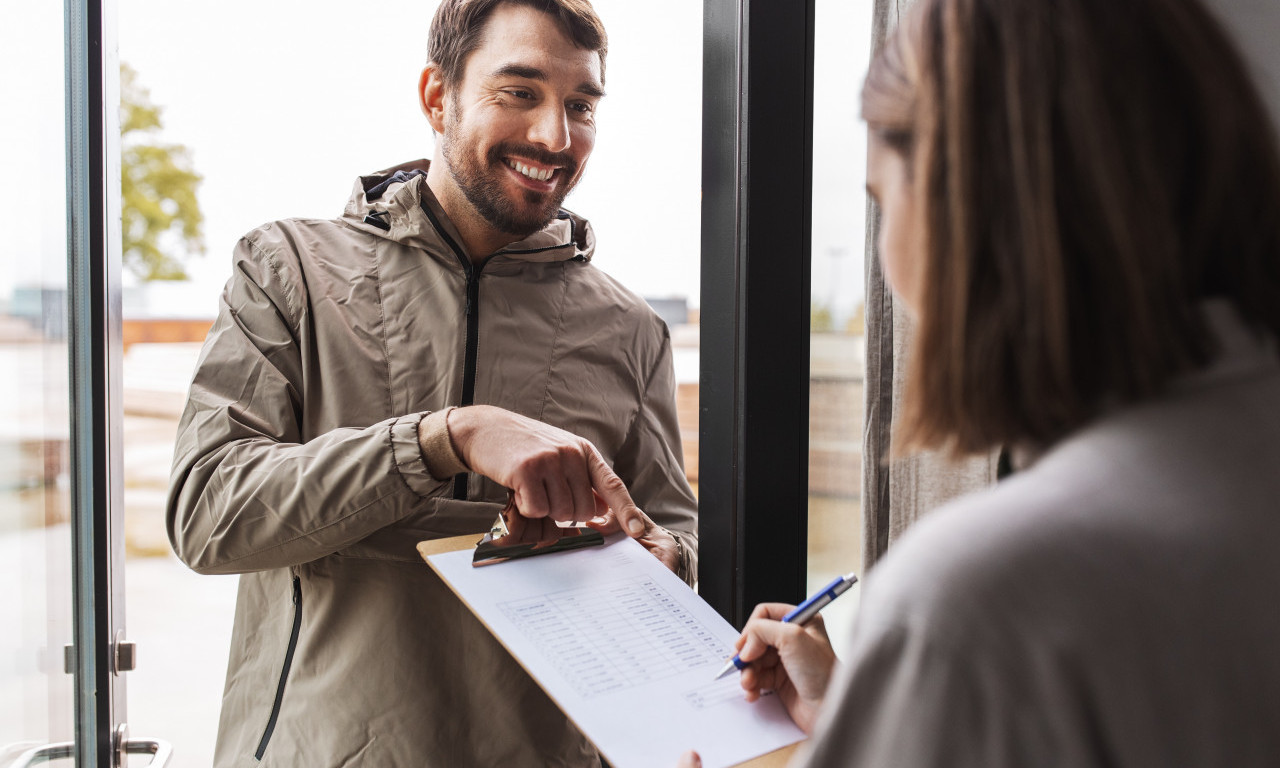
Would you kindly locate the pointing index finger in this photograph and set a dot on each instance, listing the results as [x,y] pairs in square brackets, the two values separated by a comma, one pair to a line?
[614,492]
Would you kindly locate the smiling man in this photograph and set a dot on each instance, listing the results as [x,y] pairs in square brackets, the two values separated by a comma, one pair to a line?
[517,123]
[443,350]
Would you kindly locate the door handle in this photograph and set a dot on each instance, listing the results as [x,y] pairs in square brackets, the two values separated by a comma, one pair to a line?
[36,755]
[125,746]
[162,751]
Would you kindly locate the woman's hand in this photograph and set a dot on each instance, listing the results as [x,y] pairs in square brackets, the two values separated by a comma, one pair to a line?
[794,662]
[791,661]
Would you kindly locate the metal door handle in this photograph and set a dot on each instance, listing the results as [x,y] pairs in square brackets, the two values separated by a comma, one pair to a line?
[162,750]
[37,755]
[66,750]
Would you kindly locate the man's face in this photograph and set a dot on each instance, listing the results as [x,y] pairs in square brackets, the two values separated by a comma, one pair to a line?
[520,125]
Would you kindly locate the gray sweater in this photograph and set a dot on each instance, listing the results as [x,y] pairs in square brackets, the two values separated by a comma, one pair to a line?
[1114,604]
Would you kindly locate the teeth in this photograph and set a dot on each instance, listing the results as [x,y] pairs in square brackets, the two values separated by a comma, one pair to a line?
[532,173]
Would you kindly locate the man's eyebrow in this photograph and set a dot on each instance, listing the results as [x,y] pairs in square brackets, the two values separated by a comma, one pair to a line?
[521,70]
[591,89]
[586,87]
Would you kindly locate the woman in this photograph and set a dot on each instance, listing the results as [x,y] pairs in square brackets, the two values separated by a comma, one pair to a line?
[1081,208]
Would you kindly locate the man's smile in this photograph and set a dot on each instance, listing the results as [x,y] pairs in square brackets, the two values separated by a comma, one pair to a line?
[530,169]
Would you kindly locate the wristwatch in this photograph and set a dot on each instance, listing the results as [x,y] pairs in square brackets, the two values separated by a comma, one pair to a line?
[682,556]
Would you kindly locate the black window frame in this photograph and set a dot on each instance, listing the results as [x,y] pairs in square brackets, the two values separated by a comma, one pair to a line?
[757,152]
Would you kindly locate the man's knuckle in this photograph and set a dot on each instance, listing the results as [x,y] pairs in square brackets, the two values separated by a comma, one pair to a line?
[544,459]
[569,452]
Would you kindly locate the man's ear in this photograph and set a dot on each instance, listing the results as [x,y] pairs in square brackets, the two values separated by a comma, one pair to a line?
[431,95]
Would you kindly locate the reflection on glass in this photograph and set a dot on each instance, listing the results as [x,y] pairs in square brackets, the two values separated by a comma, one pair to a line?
[837,347]
[36,694]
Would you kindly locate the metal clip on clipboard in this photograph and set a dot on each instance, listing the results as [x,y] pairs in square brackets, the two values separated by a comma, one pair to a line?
[511,538]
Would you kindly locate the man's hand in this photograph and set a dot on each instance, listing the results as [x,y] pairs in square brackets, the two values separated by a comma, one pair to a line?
[795,662]
[660,542]
[552,473]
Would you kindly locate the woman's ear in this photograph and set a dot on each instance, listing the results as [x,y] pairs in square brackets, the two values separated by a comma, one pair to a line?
[431,96]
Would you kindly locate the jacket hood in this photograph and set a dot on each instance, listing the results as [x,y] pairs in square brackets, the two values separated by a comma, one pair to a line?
[396,204]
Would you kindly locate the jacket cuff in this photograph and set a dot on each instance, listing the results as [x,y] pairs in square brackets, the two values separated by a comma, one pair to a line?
[687,552]
[441,458]
[408,456]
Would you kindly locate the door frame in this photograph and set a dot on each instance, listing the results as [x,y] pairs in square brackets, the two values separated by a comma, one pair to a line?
[757,182]
[95,352]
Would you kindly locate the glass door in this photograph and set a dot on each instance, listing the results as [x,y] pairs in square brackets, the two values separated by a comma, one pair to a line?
[73,500]
[37,687]
[837,340]
[63,660]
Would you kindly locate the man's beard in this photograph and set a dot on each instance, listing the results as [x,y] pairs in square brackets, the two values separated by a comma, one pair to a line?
[483,188]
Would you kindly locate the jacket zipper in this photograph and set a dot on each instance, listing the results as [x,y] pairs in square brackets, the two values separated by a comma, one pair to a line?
[473,329]
[284,673]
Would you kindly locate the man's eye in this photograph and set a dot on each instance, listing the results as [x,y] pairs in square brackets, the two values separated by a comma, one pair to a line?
[521,94]
[581,107]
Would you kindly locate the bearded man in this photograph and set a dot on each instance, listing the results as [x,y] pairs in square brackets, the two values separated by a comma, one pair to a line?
[400,374]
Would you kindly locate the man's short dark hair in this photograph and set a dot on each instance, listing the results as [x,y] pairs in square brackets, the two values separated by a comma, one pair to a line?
[458,26]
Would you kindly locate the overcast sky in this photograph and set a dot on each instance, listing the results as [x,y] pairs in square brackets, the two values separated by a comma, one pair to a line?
[284,102]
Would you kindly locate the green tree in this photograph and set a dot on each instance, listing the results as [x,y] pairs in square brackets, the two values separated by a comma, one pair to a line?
[820,318]
[857,323]
[162,223]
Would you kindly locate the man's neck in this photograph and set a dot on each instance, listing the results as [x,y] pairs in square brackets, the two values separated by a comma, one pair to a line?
[479,238]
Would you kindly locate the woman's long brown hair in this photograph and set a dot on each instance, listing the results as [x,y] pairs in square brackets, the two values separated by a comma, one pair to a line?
[1086,173]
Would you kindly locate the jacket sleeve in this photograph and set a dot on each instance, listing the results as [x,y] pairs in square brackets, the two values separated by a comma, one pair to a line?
[248,491]
[651,461]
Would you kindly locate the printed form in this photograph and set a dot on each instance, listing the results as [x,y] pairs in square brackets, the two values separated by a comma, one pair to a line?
[626,649]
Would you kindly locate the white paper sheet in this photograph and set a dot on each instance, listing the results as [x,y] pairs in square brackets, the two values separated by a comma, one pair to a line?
[626,649]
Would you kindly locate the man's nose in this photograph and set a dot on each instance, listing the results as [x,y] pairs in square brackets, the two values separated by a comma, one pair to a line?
[550,128]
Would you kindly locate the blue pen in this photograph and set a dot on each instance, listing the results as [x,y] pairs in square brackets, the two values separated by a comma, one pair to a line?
[803,613]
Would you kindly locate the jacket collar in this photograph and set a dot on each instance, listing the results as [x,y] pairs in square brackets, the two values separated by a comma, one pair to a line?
[396,204]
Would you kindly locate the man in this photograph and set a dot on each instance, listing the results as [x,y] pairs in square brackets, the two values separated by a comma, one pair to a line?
[320,442]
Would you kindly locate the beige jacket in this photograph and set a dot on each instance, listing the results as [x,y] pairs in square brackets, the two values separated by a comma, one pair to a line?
[298,466]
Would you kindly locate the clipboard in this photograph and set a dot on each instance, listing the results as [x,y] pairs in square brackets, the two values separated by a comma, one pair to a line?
[776,759]
[503,543]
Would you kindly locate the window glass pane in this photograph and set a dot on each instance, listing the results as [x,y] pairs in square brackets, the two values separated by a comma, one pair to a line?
[837,343]
[278,117]
[643,189]
[36,694]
